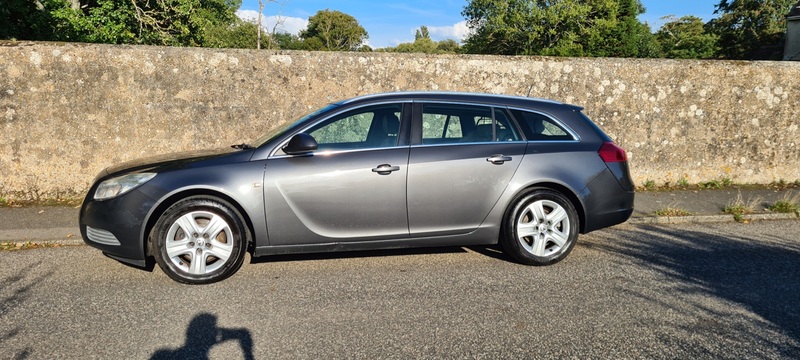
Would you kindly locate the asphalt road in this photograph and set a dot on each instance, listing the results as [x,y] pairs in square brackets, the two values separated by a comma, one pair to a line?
[682,291]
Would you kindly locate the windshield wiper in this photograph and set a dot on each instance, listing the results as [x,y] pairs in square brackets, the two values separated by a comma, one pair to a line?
[242,146]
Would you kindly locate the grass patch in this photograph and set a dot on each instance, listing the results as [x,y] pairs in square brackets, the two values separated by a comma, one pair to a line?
[725,183]
[14,246]
[716,184]
[72,202]
[790,204]
[785,185]
[739,207]
[672,211]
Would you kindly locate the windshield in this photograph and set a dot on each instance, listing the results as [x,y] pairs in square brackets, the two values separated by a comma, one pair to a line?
[277,131]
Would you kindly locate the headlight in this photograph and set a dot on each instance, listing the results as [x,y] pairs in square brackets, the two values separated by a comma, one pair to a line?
[120,185]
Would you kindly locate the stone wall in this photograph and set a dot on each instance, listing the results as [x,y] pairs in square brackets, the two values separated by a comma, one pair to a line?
[69,110]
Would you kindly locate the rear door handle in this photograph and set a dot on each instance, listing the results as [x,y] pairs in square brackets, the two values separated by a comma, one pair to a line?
[385,169]
[498,159]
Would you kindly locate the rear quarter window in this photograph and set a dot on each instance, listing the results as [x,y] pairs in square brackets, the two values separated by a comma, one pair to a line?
[540,127]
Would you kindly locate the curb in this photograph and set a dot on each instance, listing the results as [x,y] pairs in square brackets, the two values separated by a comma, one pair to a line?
[705,218]
[52,236]
[61,242]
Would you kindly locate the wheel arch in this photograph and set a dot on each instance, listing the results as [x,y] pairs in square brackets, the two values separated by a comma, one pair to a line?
[173,198]
[564,190]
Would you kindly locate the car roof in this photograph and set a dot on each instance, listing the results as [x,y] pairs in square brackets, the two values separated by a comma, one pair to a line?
[483,98]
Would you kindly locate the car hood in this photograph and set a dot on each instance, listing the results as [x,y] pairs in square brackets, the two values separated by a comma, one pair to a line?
[167,160]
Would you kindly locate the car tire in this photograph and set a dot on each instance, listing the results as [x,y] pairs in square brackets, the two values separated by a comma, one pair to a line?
[540,227]
[200,240]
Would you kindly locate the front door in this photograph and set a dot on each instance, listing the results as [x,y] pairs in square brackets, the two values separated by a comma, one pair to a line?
[353,188]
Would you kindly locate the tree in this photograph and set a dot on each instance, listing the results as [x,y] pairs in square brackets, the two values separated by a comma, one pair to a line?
[448,46]
[24,19]
[287,41]
[422,33]
[424,44]
[278,22]
[153,22]
[618,32]
[558,27]
[751,29]
[333,31]
[241,34]
[686,38]
[103,21]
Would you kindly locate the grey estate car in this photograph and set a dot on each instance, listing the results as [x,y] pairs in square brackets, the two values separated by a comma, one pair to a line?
[395,170]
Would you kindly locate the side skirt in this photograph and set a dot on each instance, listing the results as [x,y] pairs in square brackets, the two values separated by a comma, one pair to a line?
[484,236]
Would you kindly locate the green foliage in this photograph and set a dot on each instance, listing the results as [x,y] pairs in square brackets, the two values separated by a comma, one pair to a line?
[559,28]
[424,44]
[422,33]
[27,19]
[333,31]
[715,184]
[751,29]
[783,206]
[448,46]
[287,41]
[686,38]
[672,211]
[790,204]
[239,35]
[727,182]
[739,207]
[152,22]
[107,21]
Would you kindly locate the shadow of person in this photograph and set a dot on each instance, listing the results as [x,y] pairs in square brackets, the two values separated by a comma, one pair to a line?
[203,334]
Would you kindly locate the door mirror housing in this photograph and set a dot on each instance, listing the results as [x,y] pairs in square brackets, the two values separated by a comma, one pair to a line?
[300,144]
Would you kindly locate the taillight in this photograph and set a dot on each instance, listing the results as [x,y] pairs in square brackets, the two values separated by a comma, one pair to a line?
[612,153]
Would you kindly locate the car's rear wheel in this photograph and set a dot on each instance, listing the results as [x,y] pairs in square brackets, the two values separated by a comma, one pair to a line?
[200,240]
[540,228]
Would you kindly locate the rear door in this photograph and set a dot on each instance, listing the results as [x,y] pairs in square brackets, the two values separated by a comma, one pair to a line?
[461,161]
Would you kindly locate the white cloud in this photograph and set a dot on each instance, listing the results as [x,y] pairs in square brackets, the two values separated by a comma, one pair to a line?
[288,24]
[292,25]
[247,15]
[458,31]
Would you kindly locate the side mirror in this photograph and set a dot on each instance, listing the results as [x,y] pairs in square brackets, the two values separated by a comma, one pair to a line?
[300,144]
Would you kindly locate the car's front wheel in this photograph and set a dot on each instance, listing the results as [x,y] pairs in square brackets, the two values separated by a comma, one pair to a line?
[540,228]
[200,240]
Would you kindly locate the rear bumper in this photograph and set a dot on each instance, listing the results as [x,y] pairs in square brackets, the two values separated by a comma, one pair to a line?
[607,203]
[607,219]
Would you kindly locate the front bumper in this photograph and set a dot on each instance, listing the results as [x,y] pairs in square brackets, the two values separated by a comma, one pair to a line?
[117,226]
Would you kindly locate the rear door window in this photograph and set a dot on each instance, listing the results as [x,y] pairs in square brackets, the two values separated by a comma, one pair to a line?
[455,123]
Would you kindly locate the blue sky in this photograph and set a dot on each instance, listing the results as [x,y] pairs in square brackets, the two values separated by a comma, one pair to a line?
[390,23]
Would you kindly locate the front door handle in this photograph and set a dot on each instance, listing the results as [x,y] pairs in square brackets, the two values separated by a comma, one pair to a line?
[498,159]
[385,169]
